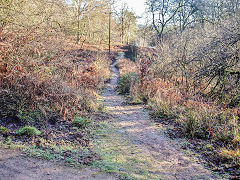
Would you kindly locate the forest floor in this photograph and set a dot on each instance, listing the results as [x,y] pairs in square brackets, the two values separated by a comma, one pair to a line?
[130,144]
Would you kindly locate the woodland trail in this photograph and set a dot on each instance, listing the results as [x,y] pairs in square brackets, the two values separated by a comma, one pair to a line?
[142,151]
[162,157]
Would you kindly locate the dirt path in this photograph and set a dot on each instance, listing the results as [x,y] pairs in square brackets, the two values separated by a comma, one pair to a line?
[165,161]
[16,166]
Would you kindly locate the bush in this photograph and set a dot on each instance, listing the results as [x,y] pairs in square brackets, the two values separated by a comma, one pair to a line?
[80,122]
[48,83]
[191,124]
[227,128]
[158,107]
[4,130]
[125,82]
[28,131]
[131,52]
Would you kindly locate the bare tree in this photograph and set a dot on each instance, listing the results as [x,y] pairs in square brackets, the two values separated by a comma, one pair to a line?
[185,16]
[81,6]
[163,12]
[127,25]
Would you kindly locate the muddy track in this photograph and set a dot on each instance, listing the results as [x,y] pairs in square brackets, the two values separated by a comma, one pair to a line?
[168,162]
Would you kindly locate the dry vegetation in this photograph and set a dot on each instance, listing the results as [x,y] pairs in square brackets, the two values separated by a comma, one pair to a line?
[47,81]
[42,75]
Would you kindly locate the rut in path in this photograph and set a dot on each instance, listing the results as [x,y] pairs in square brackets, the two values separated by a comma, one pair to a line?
[169,162]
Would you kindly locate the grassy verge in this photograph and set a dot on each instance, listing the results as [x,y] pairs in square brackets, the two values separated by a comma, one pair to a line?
[70,155]
[119,156]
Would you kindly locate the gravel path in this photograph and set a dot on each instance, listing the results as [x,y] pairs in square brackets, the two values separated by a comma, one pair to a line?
[169,162]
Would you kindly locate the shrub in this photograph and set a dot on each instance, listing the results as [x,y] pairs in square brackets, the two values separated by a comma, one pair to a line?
[80,122]
[191,124]
[125,82]
[4,130]
[28,131]
[230,155]
[158,107]
[227,127]
[29,117]
[48,83]
[40,69]
[164,103]
[131,52]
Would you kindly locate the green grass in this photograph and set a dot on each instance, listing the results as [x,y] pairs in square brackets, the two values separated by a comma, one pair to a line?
[4,130]
[28,131]
[125,82]
[80,122]
[52,151]
[30,117]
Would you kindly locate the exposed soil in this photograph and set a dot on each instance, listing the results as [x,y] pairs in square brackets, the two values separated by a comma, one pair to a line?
[134,121]
[61,142]
[16,166]
[60,130]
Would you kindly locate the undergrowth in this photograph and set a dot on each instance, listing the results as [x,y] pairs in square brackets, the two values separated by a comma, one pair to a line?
[28,131]
[80,122]
[46,74]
